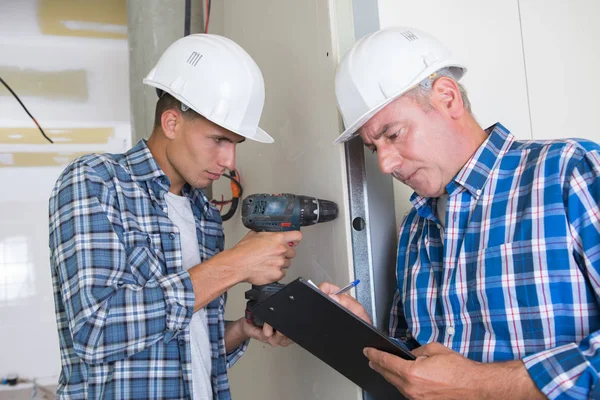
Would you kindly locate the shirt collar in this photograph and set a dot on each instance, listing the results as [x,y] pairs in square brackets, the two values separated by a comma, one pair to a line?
[142,164]
[475,173]
[145,169]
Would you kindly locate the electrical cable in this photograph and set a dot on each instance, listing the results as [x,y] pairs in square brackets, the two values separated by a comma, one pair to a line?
[25,108]
[188,13]
[208,6]
[236,194]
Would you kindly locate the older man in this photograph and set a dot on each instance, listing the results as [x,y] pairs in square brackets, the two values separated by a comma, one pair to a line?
[498,266]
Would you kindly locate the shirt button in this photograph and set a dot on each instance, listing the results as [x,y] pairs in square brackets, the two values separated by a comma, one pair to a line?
[149,240]
[450,330]
[172,236]
[478,191]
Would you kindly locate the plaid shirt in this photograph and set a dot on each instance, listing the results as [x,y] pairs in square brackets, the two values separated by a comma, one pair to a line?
[516,272]
[123,301]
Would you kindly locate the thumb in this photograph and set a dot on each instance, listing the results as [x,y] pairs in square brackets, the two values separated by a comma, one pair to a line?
[328,288]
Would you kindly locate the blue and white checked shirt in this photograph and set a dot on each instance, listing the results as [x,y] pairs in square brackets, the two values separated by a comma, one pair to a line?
[123,301]
[516,272]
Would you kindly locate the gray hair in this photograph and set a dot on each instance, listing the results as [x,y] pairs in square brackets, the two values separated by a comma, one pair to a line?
[422,92]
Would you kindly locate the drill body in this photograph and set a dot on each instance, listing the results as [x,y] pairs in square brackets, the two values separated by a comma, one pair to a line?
[285,212]
[279,213]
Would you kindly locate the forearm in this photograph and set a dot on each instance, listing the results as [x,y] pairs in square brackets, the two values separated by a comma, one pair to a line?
[506,380]
[157,312]
[235,335]
[214,277]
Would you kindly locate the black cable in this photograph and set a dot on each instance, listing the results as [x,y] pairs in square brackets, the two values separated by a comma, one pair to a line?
[188,12]
[232,209]
[235,196]
[208,7]
[26,110]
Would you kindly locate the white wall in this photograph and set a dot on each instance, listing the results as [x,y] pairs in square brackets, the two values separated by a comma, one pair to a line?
[292,43]
[562,53]
[531,64]
[28,336]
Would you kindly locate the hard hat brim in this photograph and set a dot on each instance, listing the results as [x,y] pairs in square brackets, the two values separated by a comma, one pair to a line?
[259,135]
[352,130]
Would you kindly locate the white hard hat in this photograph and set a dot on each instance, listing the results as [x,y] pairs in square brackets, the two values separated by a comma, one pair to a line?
[216,78]
[383,66]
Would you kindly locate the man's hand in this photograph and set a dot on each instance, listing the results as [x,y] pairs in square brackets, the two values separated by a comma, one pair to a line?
[259,258]
[264,256]
[440,373]
[237,332]
[266,334]
[346,300]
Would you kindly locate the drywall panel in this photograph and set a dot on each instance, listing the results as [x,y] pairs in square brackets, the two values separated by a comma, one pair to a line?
[562,56]
[76,86]
[153,25]
[292,43]
[486,36]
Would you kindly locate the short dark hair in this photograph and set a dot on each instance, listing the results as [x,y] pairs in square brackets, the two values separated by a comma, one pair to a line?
[167,102]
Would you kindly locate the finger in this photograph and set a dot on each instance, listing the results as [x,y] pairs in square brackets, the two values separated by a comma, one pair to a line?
[267,330]
[253,331]
[387,361]
[390,376]
[431,349]
[294,237]
[283,340]
[276,339]
[376,356]
[290,253]
[286,263]
[353,306]
[328,288]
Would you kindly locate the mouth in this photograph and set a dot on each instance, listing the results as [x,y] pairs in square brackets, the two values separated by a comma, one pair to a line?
[404,179]
[213,176]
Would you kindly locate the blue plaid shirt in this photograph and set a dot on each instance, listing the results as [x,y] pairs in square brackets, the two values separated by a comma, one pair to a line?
[123,301]
[515,274]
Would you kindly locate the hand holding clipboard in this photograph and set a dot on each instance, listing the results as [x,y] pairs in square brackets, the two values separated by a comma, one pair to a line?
[330,331]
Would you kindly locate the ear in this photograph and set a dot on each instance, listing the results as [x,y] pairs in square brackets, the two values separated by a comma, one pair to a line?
[446,97]
[169,121]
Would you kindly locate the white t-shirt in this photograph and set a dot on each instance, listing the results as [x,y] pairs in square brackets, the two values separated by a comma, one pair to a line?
[442,203]
[180,213]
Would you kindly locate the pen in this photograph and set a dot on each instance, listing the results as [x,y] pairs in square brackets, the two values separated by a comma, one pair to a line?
[348,287]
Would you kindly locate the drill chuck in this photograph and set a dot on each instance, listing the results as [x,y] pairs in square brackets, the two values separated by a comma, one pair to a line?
[327,210]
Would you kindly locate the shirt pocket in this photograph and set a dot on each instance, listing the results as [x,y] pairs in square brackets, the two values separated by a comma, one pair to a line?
[144,256]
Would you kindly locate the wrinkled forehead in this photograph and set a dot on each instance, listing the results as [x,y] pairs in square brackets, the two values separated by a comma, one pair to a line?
[380,123]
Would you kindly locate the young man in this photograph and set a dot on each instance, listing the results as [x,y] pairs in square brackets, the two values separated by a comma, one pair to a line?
[137,256]
[498,265]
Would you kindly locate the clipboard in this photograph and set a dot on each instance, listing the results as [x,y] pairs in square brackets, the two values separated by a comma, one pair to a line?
[326,329]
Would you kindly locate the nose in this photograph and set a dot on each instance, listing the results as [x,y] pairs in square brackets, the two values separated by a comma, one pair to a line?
[389,159]
[227,157]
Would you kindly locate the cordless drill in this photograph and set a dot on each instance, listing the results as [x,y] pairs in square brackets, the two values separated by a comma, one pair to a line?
[279,213]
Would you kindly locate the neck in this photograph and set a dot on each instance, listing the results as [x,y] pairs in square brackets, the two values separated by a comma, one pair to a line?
[157,144]
[468,138]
